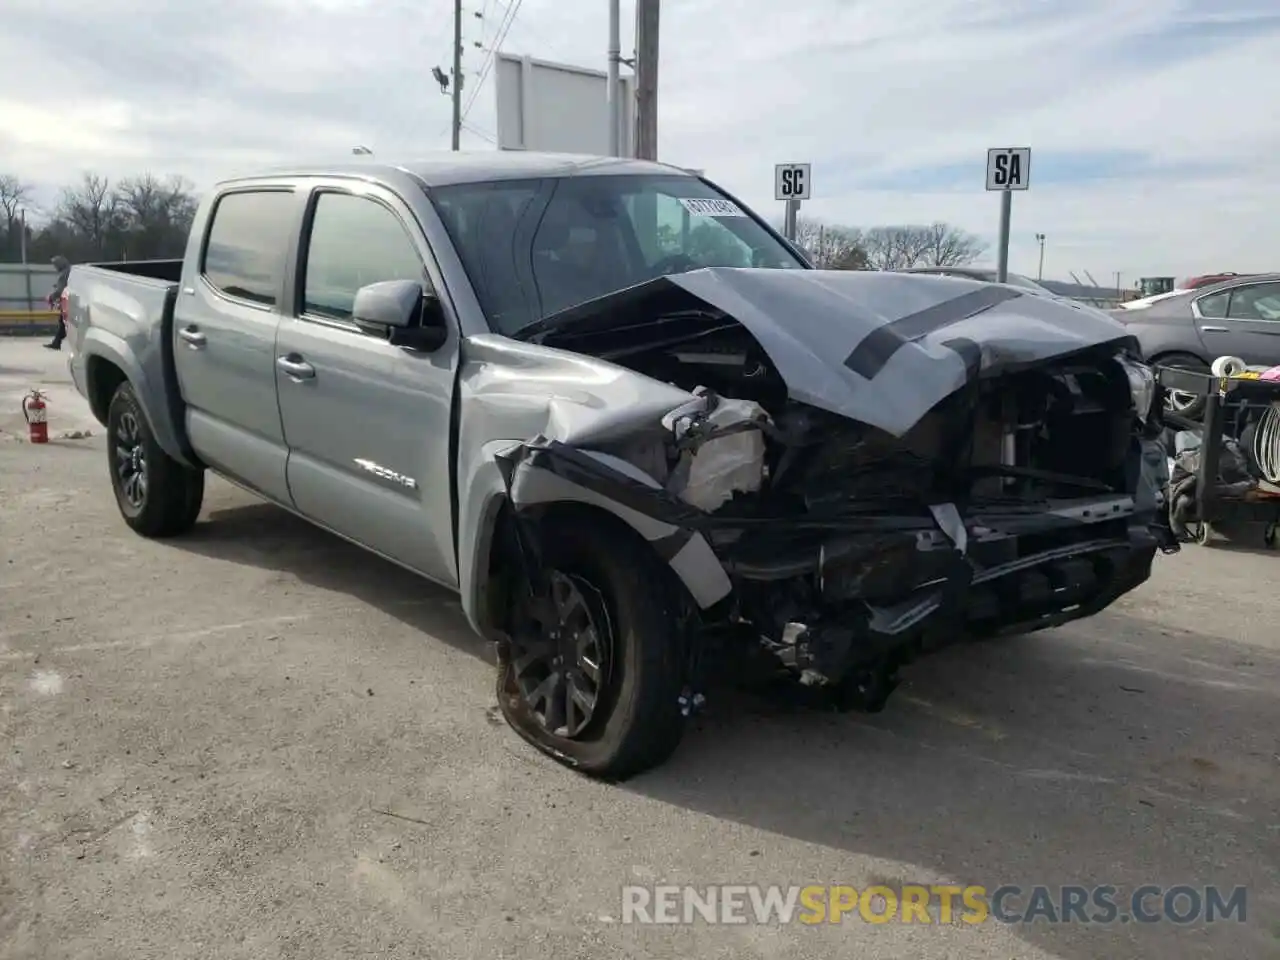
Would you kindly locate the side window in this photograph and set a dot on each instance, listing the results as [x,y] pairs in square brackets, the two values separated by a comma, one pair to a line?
[1258,302]
[248,236]
[354,242]
[1214,306]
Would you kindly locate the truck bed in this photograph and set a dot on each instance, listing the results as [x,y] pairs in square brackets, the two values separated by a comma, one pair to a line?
[120,317]
[168,270]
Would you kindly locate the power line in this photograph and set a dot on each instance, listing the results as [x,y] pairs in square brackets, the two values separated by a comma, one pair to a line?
[509,15]
[471,127]
[512,10]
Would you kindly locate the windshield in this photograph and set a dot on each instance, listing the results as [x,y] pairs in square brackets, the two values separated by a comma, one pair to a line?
[535,247]
[1018,280]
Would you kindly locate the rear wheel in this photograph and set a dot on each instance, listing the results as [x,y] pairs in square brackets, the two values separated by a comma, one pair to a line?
[593,671]
[157,495]
[1175,401]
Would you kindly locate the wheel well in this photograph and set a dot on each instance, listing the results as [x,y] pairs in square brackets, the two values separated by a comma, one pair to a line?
[1156,360]
[102,379]
[505,562]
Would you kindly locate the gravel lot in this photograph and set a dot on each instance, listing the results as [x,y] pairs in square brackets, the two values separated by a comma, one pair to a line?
[260,742]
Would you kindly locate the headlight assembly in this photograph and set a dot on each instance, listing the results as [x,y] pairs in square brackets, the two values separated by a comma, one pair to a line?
[1142,385]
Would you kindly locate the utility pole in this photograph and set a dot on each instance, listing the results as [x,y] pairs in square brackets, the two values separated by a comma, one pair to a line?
[614,58]
[22,236]
[646,71]
[1040,271]
[457,74]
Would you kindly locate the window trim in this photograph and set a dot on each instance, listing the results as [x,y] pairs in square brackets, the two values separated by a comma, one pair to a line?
[1258,319]
[1231,292]
[298,300]
[212,287]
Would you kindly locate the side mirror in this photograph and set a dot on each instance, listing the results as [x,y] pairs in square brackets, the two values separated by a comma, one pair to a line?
[408,311]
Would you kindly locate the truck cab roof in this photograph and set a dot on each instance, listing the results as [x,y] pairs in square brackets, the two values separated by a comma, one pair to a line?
[446,168]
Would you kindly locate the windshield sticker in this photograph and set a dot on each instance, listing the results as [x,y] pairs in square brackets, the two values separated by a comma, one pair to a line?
[712,208]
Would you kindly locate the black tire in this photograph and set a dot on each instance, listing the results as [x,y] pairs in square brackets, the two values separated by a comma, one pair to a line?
[169,498]
[1194,410]
[638,721]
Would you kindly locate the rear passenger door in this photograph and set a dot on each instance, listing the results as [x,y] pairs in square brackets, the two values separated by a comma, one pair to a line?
[367,422]
[1243,321]
[225,321]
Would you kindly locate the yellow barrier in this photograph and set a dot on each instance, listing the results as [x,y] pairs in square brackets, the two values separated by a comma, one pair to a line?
[28,321]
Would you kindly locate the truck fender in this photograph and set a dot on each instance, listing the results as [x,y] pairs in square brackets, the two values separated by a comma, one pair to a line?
[504,474]
[101,344]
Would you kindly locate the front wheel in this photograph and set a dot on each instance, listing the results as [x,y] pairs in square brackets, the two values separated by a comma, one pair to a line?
[1186,405]
[593,670]
[157,495]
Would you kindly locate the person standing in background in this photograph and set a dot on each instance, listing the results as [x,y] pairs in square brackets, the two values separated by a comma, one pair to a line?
[55,301]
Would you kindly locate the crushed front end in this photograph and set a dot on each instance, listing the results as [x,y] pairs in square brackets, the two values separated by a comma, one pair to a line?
[1018,501]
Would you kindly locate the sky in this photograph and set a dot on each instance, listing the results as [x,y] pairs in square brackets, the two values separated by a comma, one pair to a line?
[1152,123]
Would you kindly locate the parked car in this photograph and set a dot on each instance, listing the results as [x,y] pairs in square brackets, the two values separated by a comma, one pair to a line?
[1208,279]
[1239,317]
[981,273]
[534,380]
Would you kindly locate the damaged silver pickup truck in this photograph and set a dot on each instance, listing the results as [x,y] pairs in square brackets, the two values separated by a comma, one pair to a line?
[637,433]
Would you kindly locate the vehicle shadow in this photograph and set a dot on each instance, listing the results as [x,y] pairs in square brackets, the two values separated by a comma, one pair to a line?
[1103,753]
[1107,752]
[263,535]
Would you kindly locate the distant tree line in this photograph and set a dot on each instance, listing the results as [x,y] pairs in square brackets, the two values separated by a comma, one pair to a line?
[136,218]
[836,247]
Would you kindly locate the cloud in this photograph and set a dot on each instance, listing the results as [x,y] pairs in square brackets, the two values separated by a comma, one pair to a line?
[1153,151]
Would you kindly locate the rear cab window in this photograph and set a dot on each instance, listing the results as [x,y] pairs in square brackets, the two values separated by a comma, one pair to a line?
[353,241]
[244,250]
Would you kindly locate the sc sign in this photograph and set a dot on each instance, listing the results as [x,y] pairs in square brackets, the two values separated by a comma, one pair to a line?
[1008,168]
[791,181]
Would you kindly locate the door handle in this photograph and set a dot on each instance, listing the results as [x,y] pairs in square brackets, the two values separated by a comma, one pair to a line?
[1213,330]
[298,369]
[193,336]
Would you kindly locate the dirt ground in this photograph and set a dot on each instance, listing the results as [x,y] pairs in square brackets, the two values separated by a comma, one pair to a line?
[258,741]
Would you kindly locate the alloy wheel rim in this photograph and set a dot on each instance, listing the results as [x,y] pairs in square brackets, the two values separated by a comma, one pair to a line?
[1179,401]
[561,657]
[131,460]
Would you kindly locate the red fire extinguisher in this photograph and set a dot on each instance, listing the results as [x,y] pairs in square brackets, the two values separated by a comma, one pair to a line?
[33,410]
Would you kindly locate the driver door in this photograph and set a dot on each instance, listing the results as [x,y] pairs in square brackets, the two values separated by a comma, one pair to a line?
[366,422]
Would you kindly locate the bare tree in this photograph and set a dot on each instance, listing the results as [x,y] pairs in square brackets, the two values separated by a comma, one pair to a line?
[14,196]
[935,245]
[154,214]
[830,246]
[895,248]
[92,210]
[950,246]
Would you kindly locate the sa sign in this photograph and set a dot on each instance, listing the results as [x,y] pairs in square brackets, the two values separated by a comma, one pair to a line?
[1008,168]
[791,181]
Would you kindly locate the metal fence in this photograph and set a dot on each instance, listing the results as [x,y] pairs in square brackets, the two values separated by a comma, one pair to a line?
[24,287]
[23,307]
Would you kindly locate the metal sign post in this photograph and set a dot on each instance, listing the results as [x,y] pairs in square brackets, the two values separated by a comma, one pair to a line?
[791,184]
[1008,169]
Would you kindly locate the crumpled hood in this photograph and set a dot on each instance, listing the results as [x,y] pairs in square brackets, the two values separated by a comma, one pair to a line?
[881,348]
